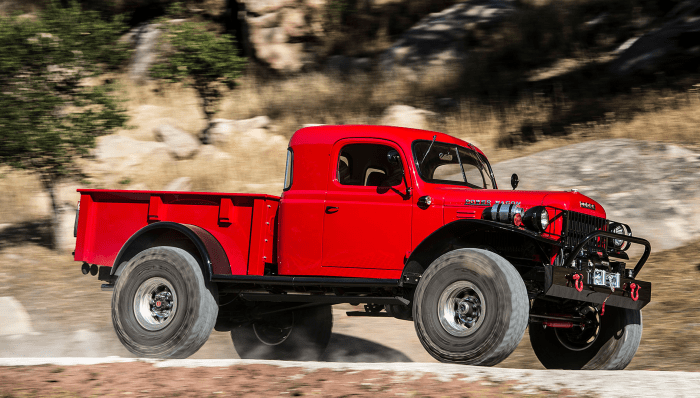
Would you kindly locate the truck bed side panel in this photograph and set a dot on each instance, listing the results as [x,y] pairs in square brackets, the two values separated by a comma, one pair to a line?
[109,218]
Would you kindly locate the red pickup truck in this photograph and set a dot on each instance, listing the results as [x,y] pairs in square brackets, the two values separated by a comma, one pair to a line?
[410,223]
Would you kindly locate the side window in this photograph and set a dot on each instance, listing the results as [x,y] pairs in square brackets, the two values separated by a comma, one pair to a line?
[370,165]
[288,169]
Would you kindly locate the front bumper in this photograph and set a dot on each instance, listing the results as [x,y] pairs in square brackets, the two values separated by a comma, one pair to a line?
[559,282]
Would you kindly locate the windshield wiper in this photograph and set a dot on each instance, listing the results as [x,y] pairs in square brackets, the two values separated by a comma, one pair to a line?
[428,151]
[461,166]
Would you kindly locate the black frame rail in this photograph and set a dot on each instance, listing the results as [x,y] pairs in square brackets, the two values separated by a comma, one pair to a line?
[606,234]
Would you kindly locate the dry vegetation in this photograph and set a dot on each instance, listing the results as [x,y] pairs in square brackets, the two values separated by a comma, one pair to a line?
[319,98]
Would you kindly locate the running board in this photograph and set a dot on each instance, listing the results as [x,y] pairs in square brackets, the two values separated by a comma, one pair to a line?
[326,299]
[305,281]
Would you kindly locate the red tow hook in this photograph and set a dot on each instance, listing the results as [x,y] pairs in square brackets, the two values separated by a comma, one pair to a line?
[578,282]
[634,291]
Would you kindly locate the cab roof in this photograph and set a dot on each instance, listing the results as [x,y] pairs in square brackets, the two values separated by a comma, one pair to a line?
[330,134]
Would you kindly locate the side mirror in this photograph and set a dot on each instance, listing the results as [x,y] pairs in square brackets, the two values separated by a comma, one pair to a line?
[393,157]
[514,181]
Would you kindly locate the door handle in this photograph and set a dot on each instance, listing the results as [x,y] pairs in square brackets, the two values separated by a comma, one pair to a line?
[331,209]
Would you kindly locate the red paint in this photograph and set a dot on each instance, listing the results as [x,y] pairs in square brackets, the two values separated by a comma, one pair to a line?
[558,324]
[368,231]
[634,291]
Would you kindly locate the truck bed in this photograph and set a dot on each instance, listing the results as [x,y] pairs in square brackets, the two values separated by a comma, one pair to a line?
[244,224]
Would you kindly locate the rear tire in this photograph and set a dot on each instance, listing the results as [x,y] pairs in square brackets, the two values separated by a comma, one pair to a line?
[299,335]
[162,307]
[471,307]
[611,348]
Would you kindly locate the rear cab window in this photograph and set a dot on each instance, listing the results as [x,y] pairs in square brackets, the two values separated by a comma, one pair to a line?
[369,165]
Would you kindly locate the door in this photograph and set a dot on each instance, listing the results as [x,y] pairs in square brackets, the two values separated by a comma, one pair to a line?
[367,220]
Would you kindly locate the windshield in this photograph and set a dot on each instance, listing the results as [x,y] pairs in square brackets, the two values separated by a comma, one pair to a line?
[451,164]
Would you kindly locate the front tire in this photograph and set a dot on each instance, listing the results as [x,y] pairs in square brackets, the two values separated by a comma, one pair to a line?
[161,306]
[610,345]
[471,307]
[299,335]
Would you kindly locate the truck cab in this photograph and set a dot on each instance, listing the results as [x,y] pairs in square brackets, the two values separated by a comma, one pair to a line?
[409,222]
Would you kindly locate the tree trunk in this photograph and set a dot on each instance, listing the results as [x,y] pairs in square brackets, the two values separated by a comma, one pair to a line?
[50,186]
[209,96]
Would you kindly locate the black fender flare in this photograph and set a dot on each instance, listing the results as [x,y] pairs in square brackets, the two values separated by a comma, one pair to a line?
[434,244]
[212,254]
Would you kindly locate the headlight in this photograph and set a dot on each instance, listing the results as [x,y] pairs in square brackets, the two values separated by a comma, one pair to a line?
[621,229]
[544,219]
[536,218]
[618,230]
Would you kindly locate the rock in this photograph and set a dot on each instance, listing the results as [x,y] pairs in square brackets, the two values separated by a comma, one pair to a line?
[16,321]
[677,43]
[406,116]
[145,40]
[283,34]
[181,184]
[117,147]
[650,186]
[117,157]
[180,144]
[437,40]
[284,57]
[266,21]
[212,154]
[266,6]
[223,129]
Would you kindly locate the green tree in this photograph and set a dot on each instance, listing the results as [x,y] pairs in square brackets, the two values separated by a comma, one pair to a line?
[51,113]
[203,59]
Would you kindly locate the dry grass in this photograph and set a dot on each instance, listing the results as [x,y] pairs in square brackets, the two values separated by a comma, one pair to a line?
[248,165]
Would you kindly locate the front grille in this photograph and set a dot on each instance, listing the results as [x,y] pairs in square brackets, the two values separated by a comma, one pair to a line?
[579,225]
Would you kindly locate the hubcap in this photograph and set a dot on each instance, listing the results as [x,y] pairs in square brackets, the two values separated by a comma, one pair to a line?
[155,304]
[461,308]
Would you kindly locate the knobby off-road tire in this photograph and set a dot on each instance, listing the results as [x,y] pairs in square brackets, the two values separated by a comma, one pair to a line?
[495,299]
[499,308]
[300,335]
[153,281]
[618,337]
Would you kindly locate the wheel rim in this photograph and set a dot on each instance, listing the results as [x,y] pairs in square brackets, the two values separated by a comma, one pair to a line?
[461,308]
[274,331]
[578,338]
[155,304]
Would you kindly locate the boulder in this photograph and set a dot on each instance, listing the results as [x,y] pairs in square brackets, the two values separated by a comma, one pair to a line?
[111,147]
[406,116]
[222,129]
[437,41]
[180,144]
[675,44]
[117,157]
[283,33]
[649,185]
[211,153]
